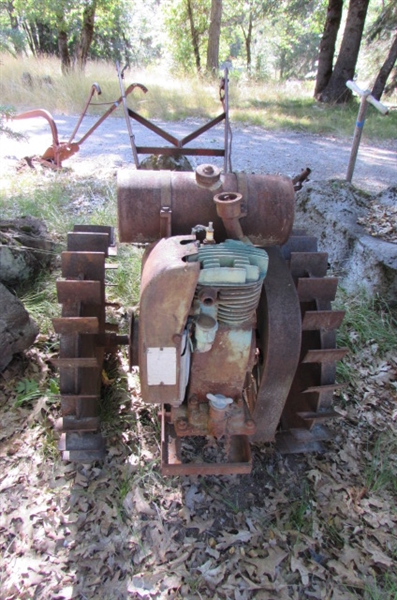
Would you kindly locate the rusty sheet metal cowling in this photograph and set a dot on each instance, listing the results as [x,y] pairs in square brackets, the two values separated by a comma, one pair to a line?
[168,278]
[268,203]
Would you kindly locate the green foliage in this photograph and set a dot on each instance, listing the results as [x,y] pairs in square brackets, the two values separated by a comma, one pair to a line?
[27,390]
[381,469]
[123,29]
[266,39]
[6,113]
[367,321]
[179,45]
[369,327]
[301,510]
[41,302]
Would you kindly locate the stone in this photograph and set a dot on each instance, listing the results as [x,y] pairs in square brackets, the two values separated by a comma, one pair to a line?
[25,249]
[17,330]
[330,210]
[166,163]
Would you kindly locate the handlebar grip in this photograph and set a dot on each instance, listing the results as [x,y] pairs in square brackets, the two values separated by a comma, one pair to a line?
[378,105]
[352,86]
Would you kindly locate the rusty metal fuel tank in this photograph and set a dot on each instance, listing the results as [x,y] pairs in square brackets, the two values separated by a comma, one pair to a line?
[154,204]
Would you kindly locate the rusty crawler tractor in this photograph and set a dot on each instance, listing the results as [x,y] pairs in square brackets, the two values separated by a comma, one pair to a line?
[235,337]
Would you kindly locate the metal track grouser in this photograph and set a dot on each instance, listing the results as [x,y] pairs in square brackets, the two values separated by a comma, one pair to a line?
[234,337]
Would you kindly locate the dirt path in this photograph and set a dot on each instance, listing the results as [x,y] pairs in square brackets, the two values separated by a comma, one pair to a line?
[253,150]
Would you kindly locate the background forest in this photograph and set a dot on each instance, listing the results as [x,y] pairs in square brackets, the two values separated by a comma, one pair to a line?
[327,41]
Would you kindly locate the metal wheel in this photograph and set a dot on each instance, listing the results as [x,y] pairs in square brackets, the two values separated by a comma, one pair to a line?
[295,376]
[83,341]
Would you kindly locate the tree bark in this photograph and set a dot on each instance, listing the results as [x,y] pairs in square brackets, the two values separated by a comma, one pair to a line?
[247,42]
[87,34]
[336,90]
[195,36]
[14,23]
[64,51]
[385,71]
[31,37]
[214,36]
[327,45]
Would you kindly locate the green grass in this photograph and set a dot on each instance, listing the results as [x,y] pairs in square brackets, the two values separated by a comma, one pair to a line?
[40,300]
[271,105]
[368,320]
[383,588]
[59,200]
[381,469]
[369,324]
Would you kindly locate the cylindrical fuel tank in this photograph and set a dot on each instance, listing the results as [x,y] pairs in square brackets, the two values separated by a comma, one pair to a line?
[146,197]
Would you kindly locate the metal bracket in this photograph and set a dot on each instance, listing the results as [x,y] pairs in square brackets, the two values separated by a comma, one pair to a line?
[239,456]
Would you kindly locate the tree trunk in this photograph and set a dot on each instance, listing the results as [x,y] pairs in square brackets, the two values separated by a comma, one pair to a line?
[195,37]
[64,51]
[327,45]
[214,36]
[385,71]
[29,29]
[87,34]
[247,42]
[11,13]
[336,90]
[14,24]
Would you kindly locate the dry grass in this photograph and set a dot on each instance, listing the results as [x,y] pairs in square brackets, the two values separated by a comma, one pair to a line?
[29,83]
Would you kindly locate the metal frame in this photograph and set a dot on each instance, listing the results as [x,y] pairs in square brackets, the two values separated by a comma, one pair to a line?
[179,146]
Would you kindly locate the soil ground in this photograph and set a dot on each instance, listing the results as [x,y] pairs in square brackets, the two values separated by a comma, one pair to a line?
[320,526]
[253,149]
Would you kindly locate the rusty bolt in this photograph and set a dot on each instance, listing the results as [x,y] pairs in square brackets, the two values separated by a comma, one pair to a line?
[208,176]
[193,400]
[181,424]
[250,424]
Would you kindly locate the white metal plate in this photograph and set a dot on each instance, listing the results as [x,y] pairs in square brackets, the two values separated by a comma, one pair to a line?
[161,366]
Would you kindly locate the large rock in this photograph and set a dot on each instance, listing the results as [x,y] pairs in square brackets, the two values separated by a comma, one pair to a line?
[17,330]
[330,210]
[25,249]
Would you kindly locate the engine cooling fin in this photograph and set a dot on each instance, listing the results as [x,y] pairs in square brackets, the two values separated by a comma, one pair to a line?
[238,271]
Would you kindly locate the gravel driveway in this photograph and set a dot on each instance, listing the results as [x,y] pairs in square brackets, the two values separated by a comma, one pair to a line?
[253,150]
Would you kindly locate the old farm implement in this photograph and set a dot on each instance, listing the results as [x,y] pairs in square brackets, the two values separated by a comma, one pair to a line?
[234,336]
[60,151]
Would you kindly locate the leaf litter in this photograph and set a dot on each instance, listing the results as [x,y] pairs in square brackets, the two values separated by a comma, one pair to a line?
[307,526]
[321,526]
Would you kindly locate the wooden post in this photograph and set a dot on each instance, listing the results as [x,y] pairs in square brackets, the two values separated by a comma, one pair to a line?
[365,98]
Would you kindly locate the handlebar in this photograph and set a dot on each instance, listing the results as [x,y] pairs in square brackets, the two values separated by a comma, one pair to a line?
[367,93]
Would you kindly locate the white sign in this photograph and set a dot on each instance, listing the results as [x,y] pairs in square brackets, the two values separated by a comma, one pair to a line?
[161,366]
